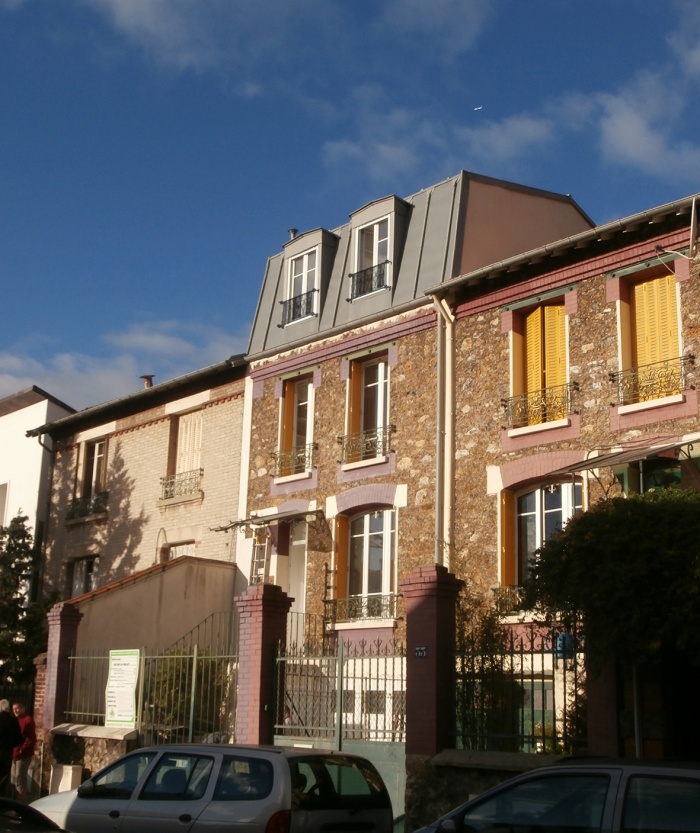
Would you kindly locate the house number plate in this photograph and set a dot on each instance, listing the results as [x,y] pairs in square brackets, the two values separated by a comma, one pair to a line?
[421,652]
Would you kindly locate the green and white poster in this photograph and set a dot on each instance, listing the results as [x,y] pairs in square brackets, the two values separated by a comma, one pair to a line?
[120,694]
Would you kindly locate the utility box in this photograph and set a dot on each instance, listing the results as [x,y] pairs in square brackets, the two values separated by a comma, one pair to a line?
[65,777]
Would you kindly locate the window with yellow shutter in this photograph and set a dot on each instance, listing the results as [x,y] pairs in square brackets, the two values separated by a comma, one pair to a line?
[539,368]
[368,430]
[295,447]
[650,352]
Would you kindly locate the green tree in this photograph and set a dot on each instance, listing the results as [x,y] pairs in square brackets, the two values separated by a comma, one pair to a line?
[22,627]
[629,570]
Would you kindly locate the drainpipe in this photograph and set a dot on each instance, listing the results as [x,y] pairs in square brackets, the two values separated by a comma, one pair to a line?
[445,443]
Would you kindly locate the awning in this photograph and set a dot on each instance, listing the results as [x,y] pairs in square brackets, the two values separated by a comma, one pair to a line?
[308,515]
[621,458]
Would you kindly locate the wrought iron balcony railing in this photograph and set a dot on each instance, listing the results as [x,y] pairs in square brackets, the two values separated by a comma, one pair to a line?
[84,507]
[181,484]
[539,406]
[297,460]
[356,608]
[366,445]
[506,599]
[368,280]
[300,306]
[652,381]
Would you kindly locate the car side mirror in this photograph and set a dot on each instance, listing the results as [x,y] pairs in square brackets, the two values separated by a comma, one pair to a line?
[86,789]
[448,826]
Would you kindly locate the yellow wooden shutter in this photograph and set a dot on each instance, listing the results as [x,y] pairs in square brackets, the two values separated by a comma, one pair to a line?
[287,438]
[342,534]
[655,320]
[508,553]
[533,351]
[554,346]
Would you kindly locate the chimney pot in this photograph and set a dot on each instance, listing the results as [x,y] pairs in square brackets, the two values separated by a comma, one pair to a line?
[147,380]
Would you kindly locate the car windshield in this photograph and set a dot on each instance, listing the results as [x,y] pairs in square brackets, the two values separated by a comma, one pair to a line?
[335,782]
[563,802]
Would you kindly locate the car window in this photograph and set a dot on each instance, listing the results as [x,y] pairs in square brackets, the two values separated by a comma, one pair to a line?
[555,802]
[120,779]
[180,777]
[661,803]
[243,779]
[335,782]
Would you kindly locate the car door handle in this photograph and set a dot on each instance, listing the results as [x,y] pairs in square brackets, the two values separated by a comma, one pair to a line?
[185,817]
[114,814]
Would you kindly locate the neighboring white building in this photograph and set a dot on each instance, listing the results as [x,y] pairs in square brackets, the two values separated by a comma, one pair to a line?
[25,462]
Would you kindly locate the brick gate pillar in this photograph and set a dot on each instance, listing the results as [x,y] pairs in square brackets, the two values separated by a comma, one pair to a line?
[430,594]
[63,619]
[263,612]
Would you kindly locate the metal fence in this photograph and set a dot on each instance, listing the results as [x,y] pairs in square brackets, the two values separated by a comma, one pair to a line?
[331,688]
[186,692]
[521,691]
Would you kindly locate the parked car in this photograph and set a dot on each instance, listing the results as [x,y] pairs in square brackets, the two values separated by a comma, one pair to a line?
[585,797]
[17,816]
[203,788]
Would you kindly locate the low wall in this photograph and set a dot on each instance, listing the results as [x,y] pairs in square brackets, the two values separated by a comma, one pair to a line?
[434,786]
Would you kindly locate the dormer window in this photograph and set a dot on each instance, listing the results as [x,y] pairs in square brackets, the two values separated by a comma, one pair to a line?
[301,288]
[372,260]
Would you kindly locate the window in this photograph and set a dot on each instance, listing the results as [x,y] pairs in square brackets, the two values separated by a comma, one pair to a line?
[539,374]
[528,521]
[371,554]
[172,551]
[185,458]
[296,428]
[372,259]
[95,469]
[652,366]
[178,777]
[120,780]
[540,513]
[368,426]
[301,288]
[83,575]
[655,803]
[242,778]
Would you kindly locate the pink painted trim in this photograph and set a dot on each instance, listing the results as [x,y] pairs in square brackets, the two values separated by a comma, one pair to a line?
[537,467]
[375,494]
[424,320]
[679,410]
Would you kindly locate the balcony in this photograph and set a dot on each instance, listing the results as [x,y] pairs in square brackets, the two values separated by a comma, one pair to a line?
[366,445]
[652,381]
[86,507]
[181,485]
[297,460]
[300,306]
[357,608]
[539,406]
[368,280]
[506,599]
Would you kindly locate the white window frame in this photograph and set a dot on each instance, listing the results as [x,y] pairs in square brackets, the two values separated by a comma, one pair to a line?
[303,282]
[84,580]
[188,453]
[94,476]
[569,507]
[380,418]
[375,257]
[388,543]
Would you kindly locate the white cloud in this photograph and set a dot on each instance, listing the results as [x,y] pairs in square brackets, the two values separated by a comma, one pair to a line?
[166,349]
[456,24]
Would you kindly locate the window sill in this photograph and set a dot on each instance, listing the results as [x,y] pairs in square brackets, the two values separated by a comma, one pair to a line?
[368,294]
[358,624]
[361,464]
[542,426]
[297,320]
[674,399]
[291,478]
[175,501]
[86,519]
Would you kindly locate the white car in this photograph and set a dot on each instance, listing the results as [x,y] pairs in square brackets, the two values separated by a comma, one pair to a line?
[211,788]
[583,798]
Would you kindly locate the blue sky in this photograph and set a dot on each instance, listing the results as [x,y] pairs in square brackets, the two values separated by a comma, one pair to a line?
[154,153]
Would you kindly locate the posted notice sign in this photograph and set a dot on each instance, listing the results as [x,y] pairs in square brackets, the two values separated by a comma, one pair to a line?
[120,694]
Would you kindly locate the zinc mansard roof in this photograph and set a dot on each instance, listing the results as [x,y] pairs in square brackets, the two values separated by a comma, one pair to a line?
[450,229]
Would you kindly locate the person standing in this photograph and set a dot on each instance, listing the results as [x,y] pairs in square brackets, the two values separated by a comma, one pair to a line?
[10,736]
[24,752]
